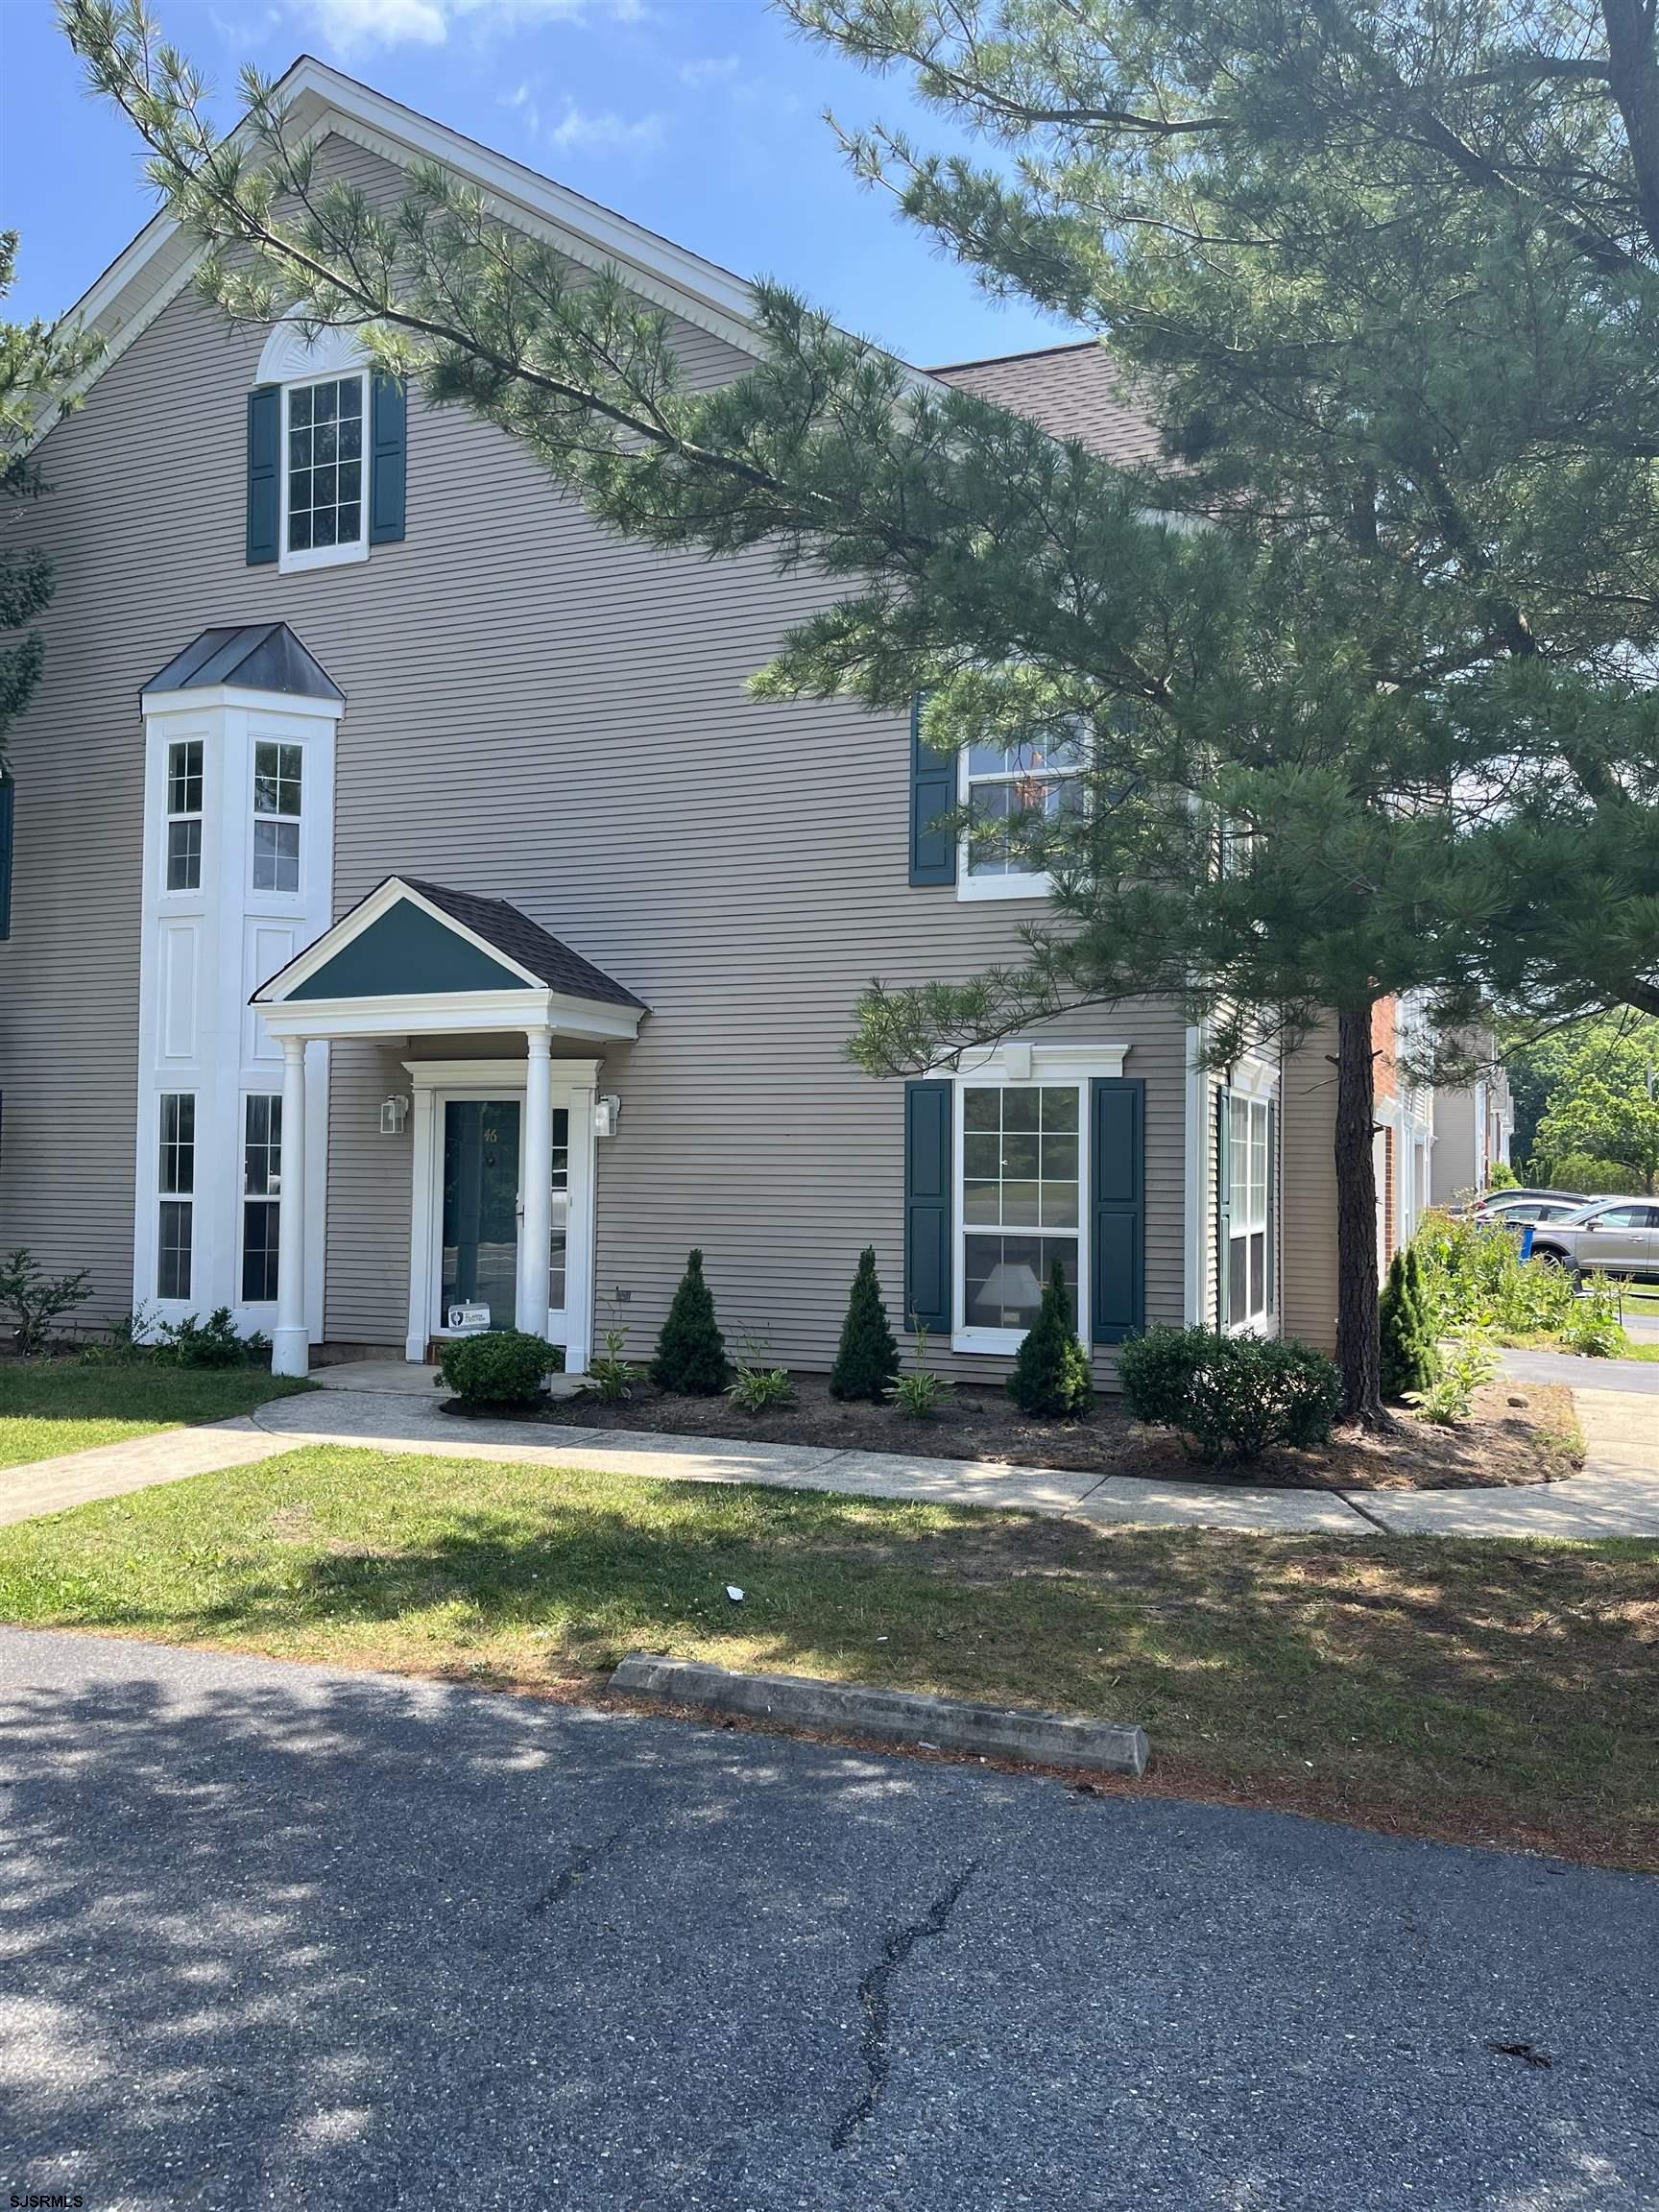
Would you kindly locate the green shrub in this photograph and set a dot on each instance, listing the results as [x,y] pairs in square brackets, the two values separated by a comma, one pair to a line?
[210,1343]
[1450,1398]
[867,1362]
[1232,1395]
[692,1352]
[1592,1327]
[757,1389]
[611,1378]
[1473,1276]
[920,1395]
[1156,1373]
[1051,1376]
[1410,1348]
[498,1366]
[1500,1176]
[36,1299]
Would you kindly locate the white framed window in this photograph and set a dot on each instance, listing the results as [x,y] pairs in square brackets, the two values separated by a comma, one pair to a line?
[1019,1205]
[261,1195]
[324,480]
[1249,1290]
[184,856]
[1008,791]
[176,1183]
[558,1243]
[277,802]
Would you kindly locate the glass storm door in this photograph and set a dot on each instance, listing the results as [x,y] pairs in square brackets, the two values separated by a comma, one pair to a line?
[480,1258]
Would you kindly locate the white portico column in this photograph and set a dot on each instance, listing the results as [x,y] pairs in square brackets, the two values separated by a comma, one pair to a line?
[536,1226]
[289,1345]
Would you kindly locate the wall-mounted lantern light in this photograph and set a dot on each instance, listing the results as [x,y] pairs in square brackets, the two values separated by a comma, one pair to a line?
[607,1113]
[393,1113]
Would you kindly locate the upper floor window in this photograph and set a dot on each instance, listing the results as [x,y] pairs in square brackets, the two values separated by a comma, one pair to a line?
[275,817]
[322,502]
[1010,792]
[185,814]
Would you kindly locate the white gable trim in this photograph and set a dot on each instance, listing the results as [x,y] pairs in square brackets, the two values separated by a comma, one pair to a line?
[149,274]
[281,987]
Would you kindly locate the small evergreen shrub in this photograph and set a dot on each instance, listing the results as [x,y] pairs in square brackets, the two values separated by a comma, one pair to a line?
[1230,1395]
[1156,1372]
[36,1299]
[867,1362]
[1051,1376]
[1410,1349]
[498,1366]
[757,1389]
[210,1343]
[692,1352]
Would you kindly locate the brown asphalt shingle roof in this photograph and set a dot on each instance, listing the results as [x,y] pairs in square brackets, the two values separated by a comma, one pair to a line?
[1071,391]
[525,940]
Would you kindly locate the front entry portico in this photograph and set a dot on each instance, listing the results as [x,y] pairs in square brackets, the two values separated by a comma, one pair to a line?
[502,1202]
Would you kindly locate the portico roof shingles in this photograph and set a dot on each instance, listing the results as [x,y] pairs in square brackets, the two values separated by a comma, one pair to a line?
[526,942]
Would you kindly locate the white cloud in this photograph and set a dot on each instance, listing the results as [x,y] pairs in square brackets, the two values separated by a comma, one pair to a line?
[603,132]
[352,23]
[715,70]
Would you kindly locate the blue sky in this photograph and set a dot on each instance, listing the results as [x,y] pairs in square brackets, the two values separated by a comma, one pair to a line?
[702,119]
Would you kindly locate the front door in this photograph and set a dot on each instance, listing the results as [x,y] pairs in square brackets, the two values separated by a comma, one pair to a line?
[479,1263]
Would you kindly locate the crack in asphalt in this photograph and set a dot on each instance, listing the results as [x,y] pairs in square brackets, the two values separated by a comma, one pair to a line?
[578,1869]
[878,2011]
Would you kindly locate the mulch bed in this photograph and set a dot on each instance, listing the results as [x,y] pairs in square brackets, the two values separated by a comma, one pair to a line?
[1515,1438]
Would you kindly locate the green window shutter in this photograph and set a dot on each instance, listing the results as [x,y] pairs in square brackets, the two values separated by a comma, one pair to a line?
[7,788]
[1272,1208]
[388,441]
[1118,1204]
[264,474]
[933,795]
[1223,1200]
[928,1166]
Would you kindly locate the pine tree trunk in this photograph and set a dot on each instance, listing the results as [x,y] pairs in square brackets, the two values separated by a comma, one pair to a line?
[1359,1353]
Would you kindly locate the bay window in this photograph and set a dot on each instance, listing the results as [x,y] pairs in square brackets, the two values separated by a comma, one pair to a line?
[276,817]
[176,1181]
[261,1195]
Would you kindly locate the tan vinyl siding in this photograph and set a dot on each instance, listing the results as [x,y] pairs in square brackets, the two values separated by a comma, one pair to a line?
[1307,1172]
[541,712]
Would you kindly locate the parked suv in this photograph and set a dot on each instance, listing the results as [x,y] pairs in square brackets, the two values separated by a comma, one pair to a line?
[1618,1235]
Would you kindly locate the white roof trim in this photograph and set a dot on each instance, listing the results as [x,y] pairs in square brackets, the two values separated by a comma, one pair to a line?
[150,274]
[278,989]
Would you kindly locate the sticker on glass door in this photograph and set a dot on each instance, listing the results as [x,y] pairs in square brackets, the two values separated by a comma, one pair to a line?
[480,1259]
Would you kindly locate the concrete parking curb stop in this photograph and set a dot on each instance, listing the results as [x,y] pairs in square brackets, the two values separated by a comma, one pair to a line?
[888,1716]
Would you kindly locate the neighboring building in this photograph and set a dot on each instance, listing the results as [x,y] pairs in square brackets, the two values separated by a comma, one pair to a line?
[417,926]
[1474,1123]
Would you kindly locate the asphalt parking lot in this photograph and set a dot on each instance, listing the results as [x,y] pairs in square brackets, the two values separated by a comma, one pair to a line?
[276,1935]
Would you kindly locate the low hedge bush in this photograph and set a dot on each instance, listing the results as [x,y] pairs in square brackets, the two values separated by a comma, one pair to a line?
[498,1366]
[1230,1395]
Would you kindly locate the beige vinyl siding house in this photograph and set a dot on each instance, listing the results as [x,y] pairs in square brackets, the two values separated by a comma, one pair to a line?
[501,700]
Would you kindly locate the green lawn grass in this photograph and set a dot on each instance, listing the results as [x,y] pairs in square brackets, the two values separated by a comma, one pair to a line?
[1487,1691]
[53,1406]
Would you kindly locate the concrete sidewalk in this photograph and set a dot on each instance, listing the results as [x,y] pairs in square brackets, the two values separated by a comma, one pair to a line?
[1617,1494]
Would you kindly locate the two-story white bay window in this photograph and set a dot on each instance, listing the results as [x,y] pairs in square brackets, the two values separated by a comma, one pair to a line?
[1010,791]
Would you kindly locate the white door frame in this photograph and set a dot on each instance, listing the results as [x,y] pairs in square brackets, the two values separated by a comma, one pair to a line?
[434,1084]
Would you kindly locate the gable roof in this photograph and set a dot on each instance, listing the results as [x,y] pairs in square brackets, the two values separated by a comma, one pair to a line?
[151,272]
[525,943]
[255,656]
[1075,391]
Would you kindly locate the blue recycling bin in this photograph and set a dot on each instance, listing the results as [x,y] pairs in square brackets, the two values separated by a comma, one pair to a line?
[1528,1230]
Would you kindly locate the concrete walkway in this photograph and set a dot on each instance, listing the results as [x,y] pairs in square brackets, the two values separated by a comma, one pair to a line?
[1617,1494]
